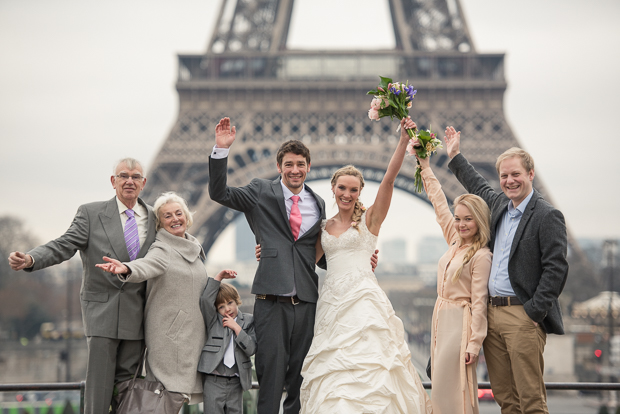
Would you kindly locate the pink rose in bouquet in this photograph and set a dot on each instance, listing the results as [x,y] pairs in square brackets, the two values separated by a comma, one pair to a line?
[373,114]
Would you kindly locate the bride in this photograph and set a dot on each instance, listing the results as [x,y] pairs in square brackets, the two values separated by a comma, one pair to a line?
[359,361]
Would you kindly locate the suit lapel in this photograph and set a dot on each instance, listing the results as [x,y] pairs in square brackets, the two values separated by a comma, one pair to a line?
[279,194]
[319,202]
[111,222]
[527,214]
[151,233]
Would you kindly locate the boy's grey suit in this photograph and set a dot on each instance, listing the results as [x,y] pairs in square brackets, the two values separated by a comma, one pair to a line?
[218,337]
[284,331]
[110,309]
[537,267]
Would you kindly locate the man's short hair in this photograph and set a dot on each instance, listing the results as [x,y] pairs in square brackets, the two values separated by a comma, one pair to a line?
[294,146]
[131,163]
[227,292]
[526,159]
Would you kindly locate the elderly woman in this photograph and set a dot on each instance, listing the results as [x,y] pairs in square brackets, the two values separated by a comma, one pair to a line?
[173,325]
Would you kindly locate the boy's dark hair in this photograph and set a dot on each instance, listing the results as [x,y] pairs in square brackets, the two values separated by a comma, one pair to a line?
[294,146]
[227,292]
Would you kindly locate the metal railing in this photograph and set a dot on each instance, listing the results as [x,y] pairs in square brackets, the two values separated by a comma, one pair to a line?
[55,386]
[72,386]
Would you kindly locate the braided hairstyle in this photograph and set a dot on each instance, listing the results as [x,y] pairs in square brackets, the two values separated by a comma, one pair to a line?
[482,216]
[359,208]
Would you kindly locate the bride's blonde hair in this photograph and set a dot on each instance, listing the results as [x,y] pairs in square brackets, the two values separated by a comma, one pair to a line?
[482,216]
[358,209]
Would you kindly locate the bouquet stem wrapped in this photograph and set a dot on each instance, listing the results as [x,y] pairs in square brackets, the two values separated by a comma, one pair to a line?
[394,99]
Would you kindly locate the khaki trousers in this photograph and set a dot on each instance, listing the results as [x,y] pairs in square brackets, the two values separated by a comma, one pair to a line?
[513,349]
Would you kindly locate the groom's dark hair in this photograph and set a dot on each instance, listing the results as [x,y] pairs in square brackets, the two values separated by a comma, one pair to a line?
[294,146]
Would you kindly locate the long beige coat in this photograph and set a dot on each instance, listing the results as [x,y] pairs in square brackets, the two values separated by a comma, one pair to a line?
[173,326]
[460,314]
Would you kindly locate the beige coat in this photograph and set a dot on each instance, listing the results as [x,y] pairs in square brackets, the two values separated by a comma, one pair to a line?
[173,326]
[460,314]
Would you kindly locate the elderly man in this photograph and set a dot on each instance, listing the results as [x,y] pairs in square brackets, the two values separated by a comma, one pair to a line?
[529,270]
[122,228]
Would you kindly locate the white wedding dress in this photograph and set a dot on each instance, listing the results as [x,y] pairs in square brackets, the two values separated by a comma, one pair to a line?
[359,361]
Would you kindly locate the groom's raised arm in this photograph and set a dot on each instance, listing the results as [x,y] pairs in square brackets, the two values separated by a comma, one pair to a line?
[238,198]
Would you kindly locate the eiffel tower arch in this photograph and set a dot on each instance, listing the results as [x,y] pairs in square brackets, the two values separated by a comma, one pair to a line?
[272,94]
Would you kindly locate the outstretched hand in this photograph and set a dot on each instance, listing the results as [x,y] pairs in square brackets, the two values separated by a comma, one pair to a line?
[224,134]
[113,266]
[19,261]
[453,141]
[225,274]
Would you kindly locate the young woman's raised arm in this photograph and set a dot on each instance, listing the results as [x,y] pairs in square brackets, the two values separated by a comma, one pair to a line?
[378,211]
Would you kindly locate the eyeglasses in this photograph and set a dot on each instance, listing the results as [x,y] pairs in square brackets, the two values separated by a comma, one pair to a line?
[126,177]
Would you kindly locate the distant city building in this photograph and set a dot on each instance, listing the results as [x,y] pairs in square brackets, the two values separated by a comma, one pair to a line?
[245,242]
[430,250]
[394,251]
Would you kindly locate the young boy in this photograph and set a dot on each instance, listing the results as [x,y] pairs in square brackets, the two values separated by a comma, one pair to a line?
[231,341]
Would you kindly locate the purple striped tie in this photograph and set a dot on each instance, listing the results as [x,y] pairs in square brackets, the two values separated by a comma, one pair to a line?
[132,239]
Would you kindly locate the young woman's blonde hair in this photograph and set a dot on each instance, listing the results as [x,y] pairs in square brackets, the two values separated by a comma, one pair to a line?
[482,216]
[358,209]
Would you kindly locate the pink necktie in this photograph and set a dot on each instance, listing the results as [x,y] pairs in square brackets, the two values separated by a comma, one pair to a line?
[295,218]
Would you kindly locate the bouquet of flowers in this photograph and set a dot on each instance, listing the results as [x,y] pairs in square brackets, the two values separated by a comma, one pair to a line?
[395,100]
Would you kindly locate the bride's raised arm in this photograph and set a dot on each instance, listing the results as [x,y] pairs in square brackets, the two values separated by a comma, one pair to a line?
[378,211]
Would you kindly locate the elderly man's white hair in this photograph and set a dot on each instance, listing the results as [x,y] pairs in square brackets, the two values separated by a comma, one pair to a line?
[131,163]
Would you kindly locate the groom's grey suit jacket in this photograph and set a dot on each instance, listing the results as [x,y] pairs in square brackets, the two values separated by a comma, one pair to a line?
[537,266]
[285,262]
[110,308]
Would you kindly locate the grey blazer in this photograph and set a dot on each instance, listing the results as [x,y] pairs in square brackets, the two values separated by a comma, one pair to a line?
[110,308]
[218,337]
[285,262]
[537,267]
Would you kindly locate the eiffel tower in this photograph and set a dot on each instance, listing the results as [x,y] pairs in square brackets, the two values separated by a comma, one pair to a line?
[272,94]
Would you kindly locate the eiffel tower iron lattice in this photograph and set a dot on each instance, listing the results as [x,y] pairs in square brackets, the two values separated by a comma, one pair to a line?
[273,94]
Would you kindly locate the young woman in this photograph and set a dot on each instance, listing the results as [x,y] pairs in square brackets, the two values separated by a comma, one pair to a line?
[460,314]
[359,361]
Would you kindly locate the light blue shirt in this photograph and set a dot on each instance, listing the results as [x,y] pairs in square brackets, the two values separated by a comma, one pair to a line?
[499,282]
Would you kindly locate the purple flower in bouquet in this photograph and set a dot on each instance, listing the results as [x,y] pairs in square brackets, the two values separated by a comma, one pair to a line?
[395,100]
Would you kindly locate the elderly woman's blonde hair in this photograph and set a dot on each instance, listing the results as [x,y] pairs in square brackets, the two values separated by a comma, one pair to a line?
[171,197]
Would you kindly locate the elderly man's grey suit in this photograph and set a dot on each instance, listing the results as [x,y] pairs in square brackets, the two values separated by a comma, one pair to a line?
[285,264]
[110,308]
[537,267]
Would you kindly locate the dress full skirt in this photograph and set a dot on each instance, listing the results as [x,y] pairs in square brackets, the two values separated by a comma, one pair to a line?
[359,361]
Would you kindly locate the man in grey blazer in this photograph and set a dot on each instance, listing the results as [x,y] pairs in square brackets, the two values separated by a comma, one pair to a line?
[285,284]
[112,311]
[529,244]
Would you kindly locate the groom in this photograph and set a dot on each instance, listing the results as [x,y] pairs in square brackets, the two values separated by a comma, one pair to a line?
[285,216]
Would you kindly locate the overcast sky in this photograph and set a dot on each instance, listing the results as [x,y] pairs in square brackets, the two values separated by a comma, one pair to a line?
[84,83]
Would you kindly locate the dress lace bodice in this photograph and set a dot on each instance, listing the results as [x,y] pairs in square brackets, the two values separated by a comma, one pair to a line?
[348,257]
